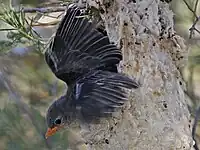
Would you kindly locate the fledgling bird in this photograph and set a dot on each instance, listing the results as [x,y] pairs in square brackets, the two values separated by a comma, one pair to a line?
[86,61]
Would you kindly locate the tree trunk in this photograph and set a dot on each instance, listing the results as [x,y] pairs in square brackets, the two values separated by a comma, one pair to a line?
[156,117]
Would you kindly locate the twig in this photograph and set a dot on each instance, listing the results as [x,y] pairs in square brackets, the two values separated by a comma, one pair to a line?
[7,29]
[43,10]
[195,6]
[194,13]
[193,27]
[196,19]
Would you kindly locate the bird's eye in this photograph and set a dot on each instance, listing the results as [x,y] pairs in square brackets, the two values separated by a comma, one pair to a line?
[57,121]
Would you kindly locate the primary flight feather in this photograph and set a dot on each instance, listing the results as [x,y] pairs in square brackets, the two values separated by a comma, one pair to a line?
[86,61]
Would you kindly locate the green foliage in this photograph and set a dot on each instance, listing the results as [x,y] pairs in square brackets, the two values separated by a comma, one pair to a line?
[6,46]
[21,30]
[14,127]
[23,125]
[18,130]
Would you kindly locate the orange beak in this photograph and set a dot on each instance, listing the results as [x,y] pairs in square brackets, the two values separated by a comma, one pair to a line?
[51,131]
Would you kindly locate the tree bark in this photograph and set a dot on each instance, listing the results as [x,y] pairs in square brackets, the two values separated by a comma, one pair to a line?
[156,117]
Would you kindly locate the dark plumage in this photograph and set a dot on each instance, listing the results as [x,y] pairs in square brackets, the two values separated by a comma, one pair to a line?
[86,61]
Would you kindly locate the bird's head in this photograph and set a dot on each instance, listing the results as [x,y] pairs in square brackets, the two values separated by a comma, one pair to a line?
[55,119]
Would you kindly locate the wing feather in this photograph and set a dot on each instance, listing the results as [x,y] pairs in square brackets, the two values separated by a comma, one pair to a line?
[102,92]
[78,48]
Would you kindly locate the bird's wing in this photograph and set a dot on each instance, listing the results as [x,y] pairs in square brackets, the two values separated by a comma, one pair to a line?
[99,93]
[78,48]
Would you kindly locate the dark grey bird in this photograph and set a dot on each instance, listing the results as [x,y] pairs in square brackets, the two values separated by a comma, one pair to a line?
[86,61]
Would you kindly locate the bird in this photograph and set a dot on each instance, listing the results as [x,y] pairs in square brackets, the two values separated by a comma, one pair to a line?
[86,61]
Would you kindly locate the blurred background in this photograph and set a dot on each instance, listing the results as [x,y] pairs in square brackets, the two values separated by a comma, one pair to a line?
[27,86]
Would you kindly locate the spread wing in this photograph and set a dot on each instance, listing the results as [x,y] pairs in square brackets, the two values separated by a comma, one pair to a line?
[100,93]
[78,48]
